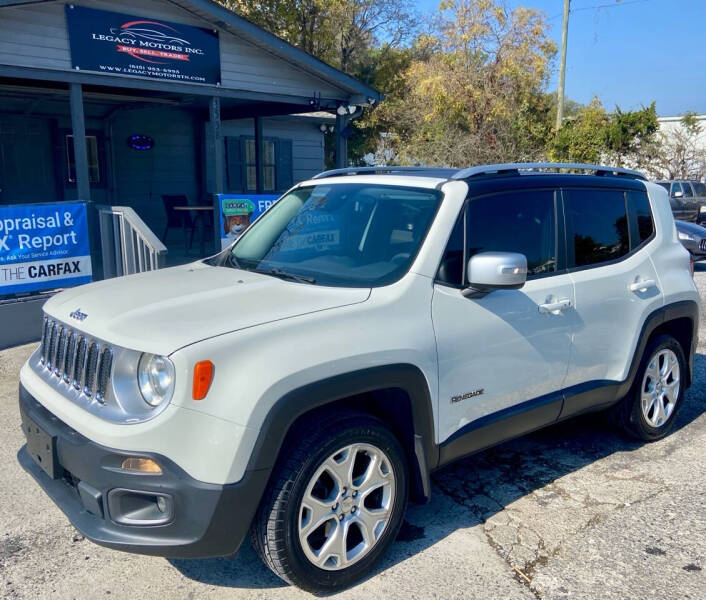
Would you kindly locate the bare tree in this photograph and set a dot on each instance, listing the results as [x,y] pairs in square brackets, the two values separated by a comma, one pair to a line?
[681,152]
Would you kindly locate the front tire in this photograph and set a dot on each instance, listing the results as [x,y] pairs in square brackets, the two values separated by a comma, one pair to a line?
[335,503]
[650,408]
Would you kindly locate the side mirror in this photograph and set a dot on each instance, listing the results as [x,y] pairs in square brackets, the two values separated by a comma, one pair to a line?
[678,195]
[489,271]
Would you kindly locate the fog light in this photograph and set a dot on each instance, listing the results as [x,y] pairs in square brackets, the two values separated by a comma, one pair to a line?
[162,504]
[141,465]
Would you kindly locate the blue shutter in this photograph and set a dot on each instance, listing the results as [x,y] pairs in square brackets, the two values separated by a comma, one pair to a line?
[234,164]
[284,165]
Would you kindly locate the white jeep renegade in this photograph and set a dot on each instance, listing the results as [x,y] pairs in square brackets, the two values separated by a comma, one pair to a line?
[372,326]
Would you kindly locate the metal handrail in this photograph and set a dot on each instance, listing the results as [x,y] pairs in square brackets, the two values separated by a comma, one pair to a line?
[128,245]
[508,168]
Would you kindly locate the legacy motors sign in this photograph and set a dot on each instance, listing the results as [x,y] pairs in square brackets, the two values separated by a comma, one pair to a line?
[117,44]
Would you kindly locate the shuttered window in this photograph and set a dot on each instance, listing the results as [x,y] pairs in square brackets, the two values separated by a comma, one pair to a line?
[241,169]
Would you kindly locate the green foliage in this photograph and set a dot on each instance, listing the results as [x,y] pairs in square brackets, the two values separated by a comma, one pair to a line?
[628,133]
[595,136]
[582,138]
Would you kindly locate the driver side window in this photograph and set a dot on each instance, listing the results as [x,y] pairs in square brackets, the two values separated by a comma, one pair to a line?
[517,221]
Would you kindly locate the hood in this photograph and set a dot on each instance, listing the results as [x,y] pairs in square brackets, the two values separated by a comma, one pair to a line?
[692,228]
[162,311]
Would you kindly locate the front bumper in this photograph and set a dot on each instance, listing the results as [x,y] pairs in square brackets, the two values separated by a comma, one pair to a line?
[205,519]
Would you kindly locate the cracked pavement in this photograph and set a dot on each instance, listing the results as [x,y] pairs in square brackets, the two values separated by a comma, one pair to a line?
[576,511]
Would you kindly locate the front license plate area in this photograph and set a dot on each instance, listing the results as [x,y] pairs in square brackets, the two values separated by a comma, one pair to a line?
[41,446]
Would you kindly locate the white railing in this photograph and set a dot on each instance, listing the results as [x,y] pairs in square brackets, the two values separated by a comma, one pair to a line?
[128,245]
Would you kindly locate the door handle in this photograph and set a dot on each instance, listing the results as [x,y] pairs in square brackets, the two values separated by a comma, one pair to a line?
[642,285]
[554,307]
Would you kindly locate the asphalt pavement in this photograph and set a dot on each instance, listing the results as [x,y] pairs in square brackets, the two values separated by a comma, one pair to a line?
[577,511]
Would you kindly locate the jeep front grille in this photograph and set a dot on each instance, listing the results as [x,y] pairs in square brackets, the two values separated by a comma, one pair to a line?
[76,359]
[702,245]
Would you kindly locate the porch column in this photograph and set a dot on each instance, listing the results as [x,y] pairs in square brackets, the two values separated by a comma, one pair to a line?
[341,142]
[219,161]
[214,110]
[78,129]
[258,154]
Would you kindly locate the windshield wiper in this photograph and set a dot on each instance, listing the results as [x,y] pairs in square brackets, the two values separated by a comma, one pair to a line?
[275,272]
[232,262]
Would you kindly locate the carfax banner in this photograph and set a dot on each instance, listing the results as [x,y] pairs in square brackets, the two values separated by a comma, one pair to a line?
[119,44]
[237,211]
[43,246]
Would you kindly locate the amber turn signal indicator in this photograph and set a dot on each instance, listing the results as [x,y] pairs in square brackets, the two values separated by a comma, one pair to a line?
[141,465]
[203,374]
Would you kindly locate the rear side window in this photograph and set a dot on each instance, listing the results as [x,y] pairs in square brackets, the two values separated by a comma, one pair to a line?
[597,225]
[518,221]
[640,205]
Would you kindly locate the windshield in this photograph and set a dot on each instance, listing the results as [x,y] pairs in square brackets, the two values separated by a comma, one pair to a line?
[346,234]
[664,184]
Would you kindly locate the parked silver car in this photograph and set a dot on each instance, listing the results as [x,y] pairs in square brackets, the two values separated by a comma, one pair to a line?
[687,199]
[693,238]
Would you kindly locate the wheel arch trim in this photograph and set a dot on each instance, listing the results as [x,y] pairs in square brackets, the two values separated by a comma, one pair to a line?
[298,402]
[662,316]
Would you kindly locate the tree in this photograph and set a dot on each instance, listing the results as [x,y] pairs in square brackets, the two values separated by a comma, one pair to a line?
[681,152]
[339,32]
[582,138]
[473,90]
[594,136]
[630,135]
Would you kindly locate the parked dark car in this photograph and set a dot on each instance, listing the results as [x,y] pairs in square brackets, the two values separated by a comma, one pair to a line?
[687,199]
[693,238]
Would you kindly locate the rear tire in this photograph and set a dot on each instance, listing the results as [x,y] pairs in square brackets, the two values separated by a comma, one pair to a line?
[651,406]
[334,504]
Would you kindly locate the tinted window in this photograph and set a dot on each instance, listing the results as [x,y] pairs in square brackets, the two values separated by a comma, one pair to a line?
[515,222]
[643,215]
[699,188]
[598,224]
[687,190]
[451,266]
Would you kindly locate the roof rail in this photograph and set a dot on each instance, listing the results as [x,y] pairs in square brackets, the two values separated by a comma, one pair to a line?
[421,171]
[516,168]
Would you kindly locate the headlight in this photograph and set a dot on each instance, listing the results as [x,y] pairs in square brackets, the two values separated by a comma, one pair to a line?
[155,376]
[702,208]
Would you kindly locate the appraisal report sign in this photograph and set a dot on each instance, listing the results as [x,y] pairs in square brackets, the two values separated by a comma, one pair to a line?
[119,44]
[43,246]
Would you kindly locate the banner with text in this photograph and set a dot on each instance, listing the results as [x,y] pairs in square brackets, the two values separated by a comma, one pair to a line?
[117,44]
[237,211]
[43,246]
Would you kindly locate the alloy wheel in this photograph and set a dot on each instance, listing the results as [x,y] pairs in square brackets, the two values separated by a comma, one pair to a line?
[660,387]
[346,506]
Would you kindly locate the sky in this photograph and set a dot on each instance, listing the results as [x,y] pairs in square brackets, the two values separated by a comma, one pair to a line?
[629,53]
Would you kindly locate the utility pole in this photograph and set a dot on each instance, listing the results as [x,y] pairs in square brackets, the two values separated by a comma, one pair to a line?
[562,66]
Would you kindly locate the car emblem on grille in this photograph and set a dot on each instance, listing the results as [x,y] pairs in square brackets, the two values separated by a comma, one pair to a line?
[78,315]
